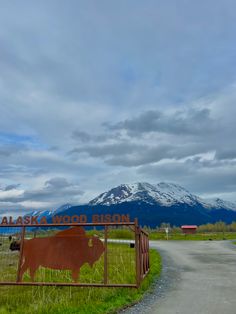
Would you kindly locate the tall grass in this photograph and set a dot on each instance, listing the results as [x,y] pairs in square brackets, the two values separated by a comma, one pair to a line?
[121,268]
[42,300]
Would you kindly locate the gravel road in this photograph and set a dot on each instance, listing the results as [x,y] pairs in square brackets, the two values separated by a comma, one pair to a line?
[198,277]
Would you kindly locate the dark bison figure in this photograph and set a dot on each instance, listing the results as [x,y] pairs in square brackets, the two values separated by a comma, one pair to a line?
[69,249]
[15,245]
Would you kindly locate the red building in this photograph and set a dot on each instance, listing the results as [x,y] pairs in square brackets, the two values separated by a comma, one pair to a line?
[189,229]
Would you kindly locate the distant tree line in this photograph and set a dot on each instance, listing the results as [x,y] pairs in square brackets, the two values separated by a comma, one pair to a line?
[219,226]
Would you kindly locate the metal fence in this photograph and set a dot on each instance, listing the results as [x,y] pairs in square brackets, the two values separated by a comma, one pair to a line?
[77,254]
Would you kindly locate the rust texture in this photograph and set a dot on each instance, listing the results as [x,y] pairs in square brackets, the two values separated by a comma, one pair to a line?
[144,254]
[67,250]
[21,247]
[71,248]
[137,251]
[105,257]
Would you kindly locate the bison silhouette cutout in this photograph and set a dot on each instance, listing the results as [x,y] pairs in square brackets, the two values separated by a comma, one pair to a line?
[69,249]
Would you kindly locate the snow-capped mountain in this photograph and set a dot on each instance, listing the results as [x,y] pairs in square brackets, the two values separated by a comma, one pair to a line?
[164,194]
[49,213]
[62,208]
[219,203]
[152,204]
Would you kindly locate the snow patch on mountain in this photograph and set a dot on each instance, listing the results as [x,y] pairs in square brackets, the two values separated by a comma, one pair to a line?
[164,194]
[49,213]
[219,203]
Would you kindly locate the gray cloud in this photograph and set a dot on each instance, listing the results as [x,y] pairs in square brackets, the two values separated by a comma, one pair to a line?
[199,176]
[156,135]
[82,136]
[85,137]
[226,154]
[57,183]
[166,92]
[137,150]
[11,187]
[119,148]
[8,150]
[190,121]
[55,191]
[104,54]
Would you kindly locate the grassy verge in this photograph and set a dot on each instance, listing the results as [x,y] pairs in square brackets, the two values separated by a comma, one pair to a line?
[194,237]
[42,300]
[157,235]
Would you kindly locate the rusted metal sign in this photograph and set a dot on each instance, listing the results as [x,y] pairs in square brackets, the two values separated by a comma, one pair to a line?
[66,250]
[65,219]
[72,254]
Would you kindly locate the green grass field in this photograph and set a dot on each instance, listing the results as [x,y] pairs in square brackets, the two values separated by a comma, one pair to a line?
[157,235]
[197,236]
[121,269]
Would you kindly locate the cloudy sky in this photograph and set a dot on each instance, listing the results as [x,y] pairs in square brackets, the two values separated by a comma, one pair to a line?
[98,93]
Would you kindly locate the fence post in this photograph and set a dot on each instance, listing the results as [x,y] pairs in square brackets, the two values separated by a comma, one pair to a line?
[141,254]
[100,252]
[21,253]
[105,257]
[137,244]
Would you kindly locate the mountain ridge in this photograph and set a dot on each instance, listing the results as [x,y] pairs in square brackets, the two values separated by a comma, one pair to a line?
[152,205]
[166,194]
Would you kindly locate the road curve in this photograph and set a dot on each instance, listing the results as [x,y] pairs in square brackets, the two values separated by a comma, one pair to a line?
[198,277]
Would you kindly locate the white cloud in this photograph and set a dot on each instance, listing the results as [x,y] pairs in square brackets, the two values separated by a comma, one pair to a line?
[161,75]
[12,194]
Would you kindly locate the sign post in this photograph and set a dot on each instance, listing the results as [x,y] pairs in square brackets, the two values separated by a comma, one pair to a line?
[167,233]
